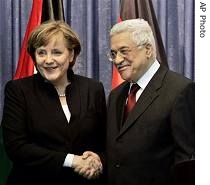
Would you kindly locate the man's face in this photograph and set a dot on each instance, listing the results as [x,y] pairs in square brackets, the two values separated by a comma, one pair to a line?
[131,61]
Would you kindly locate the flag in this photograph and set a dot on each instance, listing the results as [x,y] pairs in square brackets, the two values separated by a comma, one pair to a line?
[131,9]
[42,10]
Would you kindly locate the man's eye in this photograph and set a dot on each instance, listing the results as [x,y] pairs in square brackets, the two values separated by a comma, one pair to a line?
[124,51]
[113,53]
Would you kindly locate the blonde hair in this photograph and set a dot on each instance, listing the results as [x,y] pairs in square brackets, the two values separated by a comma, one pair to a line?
[42,35]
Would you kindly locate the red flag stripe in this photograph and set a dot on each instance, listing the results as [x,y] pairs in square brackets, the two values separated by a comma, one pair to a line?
[25,65]
[116,78]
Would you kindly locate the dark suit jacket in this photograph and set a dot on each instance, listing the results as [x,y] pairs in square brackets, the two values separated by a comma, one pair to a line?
[158,133]
[37,135]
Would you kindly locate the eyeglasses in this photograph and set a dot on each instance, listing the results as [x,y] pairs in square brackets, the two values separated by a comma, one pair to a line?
[123,52]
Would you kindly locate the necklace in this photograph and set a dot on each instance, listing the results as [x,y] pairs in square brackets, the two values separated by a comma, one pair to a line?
[62,90]
[62,95]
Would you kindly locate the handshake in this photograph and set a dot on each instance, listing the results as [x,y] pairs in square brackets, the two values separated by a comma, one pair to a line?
[88,165]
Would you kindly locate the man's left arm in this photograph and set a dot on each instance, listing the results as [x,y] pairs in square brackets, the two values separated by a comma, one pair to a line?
[183,124]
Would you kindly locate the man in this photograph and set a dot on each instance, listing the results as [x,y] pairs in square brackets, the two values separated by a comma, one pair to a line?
[145,143]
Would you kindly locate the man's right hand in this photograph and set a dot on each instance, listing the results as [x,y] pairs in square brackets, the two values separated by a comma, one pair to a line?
[88,165]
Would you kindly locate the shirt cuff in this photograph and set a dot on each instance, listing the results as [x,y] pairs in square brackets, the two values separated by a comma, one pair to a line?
[68,160]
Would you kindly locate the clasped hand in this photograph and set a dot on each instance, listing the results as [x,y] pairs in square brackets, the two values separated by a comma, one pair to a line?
[88,165]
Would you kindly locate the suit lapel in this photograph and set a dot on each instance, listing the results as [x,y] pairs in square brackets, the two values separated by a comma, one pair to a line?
[146,99]
[74,99]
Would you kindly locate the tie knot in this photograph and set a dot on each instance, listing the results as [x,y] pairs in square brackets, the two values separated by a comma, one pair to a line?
[134,88]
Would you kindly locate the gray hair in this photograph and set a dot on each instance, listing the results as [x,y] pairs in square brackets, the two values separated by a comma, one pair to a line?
[141,32]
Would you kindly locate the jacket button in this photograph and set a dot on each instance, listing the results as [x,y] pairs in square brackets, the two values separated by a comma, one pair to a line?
[117,165]
[120,140]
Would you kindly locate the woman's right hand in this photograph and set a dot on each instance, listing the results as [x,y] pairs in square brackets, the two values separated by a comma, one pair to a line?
[88,165]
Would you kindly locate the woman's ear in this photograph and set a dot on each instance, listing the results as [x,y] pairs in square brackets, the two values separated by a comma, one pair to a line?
[71,58]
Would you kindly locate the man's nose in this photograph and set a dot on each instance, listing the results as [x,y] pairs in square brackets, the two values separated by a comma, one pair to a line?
[119,58]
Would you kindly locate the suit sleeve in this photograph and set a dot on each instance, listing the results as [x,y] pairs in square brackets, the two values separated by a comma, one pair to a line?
[19,147]
[102,112]
[183,124]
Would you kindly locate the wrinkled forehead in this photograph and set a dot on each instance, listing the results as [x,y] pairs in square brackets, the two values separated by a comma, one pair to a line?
[121,39]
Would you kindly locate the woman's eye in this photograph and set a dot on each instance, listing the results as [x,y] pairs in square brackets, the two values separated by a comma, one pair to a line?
[56,52]
[41,52]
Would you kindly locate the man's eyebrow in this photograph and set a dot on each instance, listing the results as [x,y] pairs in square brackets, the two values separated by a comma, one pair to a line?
[123,47]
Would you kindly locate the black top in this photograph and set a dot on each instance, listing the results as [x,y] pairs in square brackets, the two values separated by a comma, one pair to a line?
[37,135]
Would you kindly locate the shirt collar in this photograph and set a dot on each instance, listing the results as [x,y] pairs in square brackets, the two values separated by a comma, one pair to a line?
[144,80]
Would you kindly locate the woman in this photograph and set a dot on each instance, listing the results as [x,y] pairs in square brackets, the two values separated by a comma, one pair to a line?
[51,118]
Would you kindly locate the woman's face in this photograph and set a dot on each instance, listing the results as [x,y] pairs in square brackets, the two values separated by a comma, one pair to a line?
[52,60]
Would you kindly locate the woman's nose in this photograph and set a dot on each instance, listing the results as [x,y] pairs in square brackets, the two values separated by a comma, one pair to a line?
[49,59]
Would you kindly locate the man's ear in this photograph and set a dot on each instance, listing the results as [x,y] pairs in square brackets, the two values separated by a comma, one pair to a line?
[148,50]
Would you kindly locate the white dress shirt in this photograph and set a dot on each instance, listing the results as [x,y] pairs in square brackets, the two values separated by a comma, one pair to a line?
[144,80]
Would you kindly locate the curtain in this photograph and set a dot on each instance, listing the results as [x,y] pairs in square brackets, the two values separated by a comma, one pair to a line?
[93,20]
[176,23]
